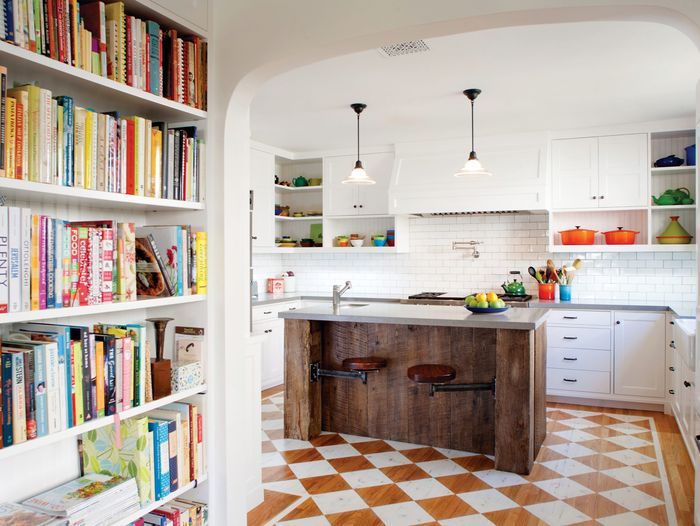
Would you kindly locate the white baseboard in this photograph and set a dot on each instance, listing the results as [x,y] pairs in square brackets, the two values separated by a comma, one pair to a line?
[254,497]
[598,402]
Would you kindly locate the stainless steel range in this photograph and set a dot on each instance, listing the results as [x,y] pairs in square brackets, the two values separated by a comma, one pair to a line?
[456,298]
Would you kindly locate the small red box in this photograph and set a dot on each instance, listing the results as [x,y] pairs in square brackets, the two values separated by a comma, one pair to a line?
[275,285]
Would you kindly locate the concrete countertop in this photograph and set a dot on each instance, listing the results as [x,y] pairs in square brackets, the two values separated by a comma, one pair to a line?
[434,315]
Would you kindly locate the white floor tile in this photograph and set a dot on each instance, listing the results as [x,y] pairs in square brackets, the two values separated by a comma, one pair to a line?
[572,450]
[628,428]
[319,520]
[338,451]
[629,457]
[424,489]
[575,435]
[400,446]
[563,488]
[269,408]
[365,478]
[630,476]
[626,519]
[290,444]
[627,418]
[578,412]
[453,453]
[271,425]
[628,441]
[567,467]
[277,399]
[631,498]
[578,423]
[500,479]
[294,487]
[339,501]
[272,459]
[356,438]
[441,468]
[468,520]
[557,513]
[387,459]
[402,514]
[487,500]
[316,468]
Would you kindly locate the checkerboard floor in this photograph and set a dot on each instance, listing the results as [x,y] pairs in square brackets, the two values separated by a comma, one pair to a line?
[594,468]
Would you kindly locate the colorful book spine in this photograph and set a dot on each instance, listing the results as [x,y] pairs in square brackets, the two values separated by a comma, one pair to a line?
[42,261]
[78,404]
[50,263]
[29,393]
[4,260]
[53,386]
[26,249]
[40,390]
[161,456]
[127,373]
[201,243]
[100,378]
[15,259]
[6,388]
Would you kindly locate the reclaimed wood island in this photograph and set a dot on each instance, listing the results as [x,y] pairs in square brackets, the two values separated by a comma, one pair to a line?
[487,397]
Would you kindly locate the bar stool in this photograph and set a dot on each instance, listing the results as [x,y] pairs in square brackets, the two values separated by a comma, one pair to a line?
[438,376]
[356,367]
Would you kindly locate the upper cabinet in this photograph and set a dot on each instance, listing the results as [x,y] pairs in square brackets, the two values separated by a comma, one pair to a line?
[262,173]
[600,172]
[356,200]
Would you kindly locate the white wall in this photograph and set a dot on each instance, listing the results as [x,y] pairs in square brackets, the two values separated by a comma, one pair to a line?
[511,242]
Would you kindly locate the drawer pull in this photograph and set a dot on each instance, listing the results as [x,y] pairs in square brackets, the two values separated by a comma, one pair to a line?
[686,383]
[267,312]
[572,380]
[570,359]
[671,368]
[292,308]
[571,317]
[571,337]
[672,345]
[671,391]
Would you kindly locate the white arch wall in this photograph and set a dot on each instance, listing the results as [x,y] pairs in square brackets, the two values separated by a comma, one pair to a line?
[253,40]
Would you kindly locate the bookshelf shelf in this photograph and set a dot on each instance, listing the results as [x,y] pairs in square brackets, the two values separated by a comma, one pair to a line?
[44,441]
[157,504]
[50,314]
[91,90]
[672,170]
[26,190]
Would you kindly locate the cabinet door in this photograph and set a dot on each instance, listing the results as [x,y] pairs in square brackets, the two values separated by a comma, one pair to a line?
[575,173]
[339,199]
[675,387]
[262,182]
[623,170]
[687,388]
[272,363]
[639,353]
[374,199]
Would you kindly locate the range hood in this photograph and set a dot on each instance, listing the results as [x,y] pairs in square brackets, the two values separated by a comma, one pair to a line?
[423,181]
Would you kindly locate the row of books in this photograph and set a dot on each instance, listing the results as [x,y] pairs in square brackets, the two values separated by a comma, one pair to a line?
[51,140]
[164,450]
[179,512]
[49,263]
[103,39]
[55,377]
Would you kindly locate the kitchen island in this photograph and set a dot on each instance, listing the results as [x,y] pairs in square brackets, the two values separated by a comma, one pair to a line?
[505,351]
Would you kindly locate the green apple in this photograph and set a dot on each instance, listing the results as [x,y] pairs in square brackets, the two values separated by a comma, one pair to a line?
[469,299]
[483,304]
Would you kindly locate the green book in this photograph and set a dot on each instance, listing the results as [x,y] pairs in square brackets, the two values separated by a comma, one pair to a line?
[130,459]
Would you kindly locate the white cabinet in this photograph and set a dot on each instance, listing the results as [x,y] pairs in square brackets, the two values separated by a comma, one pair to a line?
[262,173]
[348,199]
[266,323]
[600,172]
[683,383]
[639,339]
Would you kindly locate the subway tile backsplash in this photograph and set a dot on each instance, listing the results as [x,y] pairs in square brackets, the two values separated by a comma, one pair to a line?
[509,242]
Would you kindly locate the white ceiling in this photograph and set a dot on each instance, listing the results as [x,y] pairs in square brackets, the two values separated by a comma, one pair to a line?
[549,77]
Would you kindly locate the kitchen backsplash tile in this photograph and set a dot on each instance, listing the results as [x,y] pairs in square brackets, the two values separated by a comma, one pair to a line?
[509,242]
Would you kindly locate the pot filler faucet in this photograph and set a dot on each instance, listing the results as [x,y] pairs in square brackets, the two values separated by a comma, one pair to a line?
[337,293]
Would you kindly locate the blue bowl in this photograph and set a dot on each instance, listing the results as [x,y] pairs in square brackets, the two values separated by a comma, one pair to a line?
[486,310]
[666,162]
[379,242]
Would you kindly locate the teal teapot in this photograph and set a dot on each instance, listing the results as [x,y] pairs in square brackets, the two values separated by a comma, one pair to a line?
[679,196]
[300,181]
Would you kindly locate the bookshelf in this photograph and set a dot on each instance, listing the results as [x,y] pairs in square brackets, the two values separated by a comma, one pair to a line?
[45,462]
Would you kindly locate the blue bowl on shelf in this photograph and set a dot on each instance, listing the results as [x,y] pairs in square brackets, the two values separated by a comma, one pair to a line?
[486,310]
[668,161]
[379,242]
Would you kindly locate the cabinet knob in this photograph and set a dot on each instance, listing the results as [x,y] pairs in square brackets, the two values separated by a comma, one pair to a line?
[672,345]
[671,368]
[594,197]
[672,322]
[267,312]
[571,337]
[671,391]
[570,359]
[686,383]
[602,197]
[354,206]
[253,237]
[362,206]
[618,322]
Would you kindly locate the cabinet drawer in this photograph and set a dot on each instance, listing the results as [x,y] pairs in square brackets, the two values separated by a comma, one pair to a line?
[578,359]
[583,381]
[574,318]
[270,311]
[578,338]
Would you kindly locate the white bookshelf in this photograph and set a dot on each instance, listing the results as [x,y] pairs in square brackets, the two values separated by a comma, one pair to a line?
[45,462]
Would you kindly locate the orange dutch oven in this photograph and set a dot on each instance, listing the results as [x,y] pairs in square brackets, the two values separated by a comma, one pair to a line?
[578,236]
[620,237]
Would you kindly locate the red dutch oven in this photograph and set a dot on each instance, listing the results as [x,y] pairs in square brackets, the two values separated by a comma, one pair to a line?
[620,237]
[578,236]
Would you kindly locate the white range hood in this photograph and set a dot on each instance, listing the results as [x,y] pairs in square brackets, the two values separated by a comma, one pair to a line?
[423,180]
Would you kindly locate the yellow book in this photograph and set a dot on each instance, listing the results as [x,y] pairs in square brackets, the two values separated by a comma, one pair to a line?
[33,127]
[100,378]
[147,144]
[10,137]
[201,263]
[35,262]
[87,170]
[114,13]
[60,148]
[79,147]
[156,162]
[21,135]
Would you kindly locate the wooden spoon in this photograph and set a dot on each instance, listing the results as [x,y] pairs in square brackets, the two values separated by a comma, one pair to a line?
[570,273]
[577,264]
[553,270]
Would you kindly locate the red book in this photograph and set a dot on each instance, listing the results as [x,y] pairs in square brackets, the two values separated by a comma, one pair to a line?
[171,513]
[107,263]
[83,266]
[130,153]
[51,12]
[74,267]
[129,51]
[174,77]
[60,6]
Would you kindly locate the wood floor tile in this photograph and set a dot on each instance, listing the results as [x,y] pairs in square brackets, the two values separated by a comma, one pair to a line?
[272,505]
[549,454]
[475,463]
[540,472]
[301,455]
[656,514]
[364,517]
[327,440]
[595,506]
[463,483]
[374,446]
[272,416]
[600,462]
[383,495]
[306,509]
[601,445]
[655,489]
[277,473]
[514,517]
[404,473]
[526,494]
[447,507]
[345,464]
[275,434]
[597,481]
[649,451]
[324,484]
[268,447]
[423,454]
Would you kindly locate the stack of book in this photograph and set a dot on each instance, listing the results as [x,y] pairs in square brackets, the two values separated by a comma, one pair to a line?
[103,39]
[164,450]
[12,514]
[179,511]
[55,377]
[92,500]
[50,140]
[49,263]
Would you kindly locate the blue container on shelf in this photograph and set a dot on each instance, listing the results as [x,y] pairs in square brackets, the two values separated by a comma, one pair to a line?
[690,155]
[564,292]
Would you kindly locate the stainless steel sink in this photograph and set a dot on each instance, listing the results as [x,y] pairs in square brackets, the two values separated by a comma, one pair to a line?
[343,305]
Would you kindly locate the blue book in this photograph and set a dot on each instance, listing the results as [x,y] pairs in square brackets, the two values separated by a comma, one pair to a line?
[42,414]
[157,520]
[161,457]
[9,21]
[172,451]
[153,30]
[6,375]
[68,111]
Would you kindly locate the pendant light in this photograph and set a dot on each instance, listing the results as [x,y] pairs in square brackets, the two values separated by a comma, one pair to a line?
[473,166]
[358,174]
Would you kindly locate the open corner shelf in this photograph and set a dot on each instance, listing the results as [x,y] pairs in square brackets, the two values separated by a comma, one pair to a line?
[305,218]
[672,170]
[622,248]
[297,189]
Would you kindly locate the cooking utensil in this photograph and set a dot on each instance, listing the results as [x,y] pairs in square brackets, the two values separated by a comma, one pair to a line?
[578,236]
[534,274]
[620,237]
[515,287]
[553,270]
[674,234]
[577,264]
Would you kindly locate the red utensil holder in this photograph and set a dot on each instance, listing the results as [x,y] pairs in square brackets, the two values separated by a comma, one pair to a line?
[546,291]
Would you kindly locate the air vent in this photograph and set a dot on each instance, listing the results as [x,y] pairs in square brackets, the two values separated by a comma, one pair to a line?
[404,48]
[454,214]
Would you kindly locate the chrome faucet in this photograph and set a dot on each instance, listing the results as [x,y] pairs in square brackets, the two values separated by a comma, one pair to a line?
[337,293]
